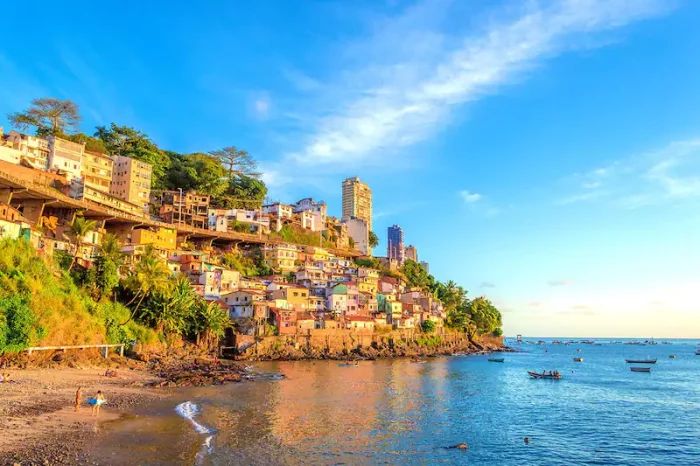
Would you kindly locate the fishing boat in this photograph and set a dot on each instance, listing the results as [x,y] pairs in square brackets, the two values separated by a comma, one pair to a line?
[697,353]
[640,361]
[496,359]
[418,361]
[578,359]
[349,364]
[640,369]
[537,375]
[672,356]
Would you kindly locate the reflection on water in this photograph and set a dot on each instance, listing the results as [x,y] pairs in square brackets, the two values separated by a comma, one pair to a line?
[397,412]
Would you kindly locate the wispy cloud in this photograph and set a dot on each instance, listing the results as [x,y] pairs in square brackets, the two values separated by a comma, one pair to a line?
[470,198]
[383,102]
[559,282]
[671,174]
[487,285]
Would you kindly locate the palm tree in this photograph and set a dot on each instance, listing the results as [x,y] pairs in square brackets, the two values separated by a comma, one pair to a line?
[151,275]
[110,248]
[211,323]
[78,230]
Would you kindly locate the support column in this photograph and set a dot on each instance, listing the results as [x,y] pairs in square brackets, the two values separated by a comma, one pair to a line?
[33,209]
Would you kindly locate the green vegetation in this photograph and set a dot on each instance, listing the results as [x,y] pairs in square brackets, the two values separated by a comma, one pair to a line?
[431,341]
[373,240]
[428,326]
[299,236]
[41,305]
[247,266]
[228,175]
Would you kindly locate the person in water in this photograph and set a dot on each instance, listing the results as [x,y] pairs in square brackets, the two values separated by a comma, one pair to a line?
[99,399]
[78,398]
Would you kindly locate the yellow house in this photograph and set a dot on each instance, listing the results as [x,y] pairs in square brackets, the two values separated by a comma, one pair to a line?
[317,254]
[297,297]
[367,286]
[281,257]
[163,238]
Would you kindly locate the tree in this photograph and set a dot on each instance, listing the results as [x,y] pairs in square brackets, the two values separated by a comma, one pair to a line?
[171,310]
[416,274]
[237,162]
[128,142]
[203,173]
[243,192]
[92,144]
[150,276]
[78,230]
[373,240]
[428,326]
[51,117]
[210,323]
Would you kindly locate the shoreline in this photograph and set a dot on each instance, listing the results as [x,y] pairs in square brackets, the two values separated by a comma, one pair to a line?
[38,424]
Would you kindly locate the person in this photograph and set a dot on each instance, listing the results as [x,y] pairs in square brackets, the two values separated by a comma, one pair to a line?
[527,440]
[78,398]
[99,399]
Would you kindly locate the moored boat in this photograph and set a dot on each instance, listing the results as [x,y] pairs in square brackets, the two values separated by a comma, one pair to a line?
[551,375]
[418,361]
[697,353]
[496,359]
[578,359]
[640,361]
[640,369]
[672,356]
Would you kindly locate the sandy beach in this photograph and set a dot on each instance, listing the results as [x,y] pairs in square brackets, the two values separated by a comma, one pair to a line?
[38,422]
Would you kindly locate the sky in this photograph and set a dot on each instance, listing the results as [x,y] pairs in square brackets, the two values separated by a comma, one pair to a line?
[544,154]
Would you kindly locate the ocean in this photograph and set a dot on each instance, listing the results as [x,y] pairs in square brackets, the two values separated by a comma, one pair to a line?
[398,412]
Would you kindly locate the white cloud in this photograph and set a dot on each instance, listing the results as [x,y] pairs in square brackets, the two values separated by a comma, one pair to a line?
[668,175]
[403,97]
[559,282]
[470,198]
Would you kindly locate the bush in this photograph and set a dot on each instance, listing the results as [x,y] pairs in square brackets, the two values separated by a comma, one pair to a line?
[497,333]
[17,324]
[428,326]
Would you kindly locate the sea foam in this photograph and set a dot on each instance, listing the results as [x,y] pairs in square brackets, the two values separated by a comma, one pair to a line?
[189,410]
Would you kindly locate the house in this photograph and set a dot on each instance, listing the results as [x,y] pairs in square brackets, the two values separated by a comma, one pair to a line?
[359,322]
[131,181]
[310,276]
[281,257]
[367,285]
[279,210]
[190,208]
[34,150]
[297,297]
[327,322]
[318,210]
[337,300]
[97,170]
[305,321]
[243,303]
[284,320]
[404,322]
[369,303]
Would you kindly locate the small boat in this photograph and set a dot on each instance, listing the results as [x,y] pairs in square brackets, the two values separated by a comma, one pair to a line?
[537,375]
[497,359]
[640,361]
[697,353]
[578,359]
[349,364]
[418,361]
[672,356]
[640,369]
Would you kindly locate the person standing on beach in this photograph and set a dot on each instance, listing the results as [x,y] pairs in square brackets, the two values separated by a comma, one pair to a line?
[99,399]
[78,397]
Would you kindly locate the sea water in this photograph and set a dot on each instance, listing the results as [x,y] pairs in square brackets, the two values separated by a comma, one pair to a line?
[398,412]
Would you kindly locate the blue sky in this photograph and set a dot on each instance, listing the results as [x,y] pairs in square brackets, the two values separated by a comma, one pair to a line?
[544,154]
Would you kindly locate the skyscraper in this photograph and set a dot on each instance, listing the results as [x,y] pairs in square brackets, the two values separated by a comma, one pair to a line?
[412,253]
[357,201]
[395,248]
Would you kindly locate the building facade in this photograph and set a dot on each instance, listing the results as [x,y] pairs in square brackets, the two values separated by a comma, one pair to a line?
[190,208]
[97,171]
[131,180]
[66,157]
[34,150]
[411,252]
[359,232]
[425,265]
[357,200]
[395,248]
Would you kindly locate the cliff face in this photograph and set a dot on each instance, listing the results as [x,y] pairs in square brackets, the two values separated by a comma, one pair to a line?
[342,344]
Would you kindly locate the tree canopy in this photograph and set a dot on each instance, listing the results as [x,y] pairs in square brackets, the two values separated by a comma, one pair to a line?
[50,117]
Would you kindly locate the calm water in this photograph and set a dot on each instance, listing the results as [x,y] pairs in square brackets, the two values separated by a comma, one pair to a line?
[396,412]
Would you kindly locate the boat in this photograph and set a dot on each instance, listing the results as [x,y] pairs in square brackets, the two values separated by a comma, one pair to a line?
[537,375]
[578,359]
[672,356]
[697,353]
[349,364]
[640,361]
[418,361]
[640,369]
[496,359]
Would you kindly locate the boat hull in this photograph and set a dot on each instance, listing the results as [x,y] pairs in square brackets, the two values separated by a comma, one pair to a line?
[640,361]
[536,375]
[640,369]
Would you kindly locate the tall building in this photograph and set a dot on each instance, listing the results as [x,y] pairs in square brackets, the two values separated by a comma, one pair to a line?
[425,265]
[411,253]
[97,170]
[395,248]
[131,180]
[357,200]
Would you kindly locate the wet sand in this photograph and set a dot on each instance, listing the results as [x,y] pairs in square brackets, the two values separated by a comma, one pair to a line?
[38,423]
